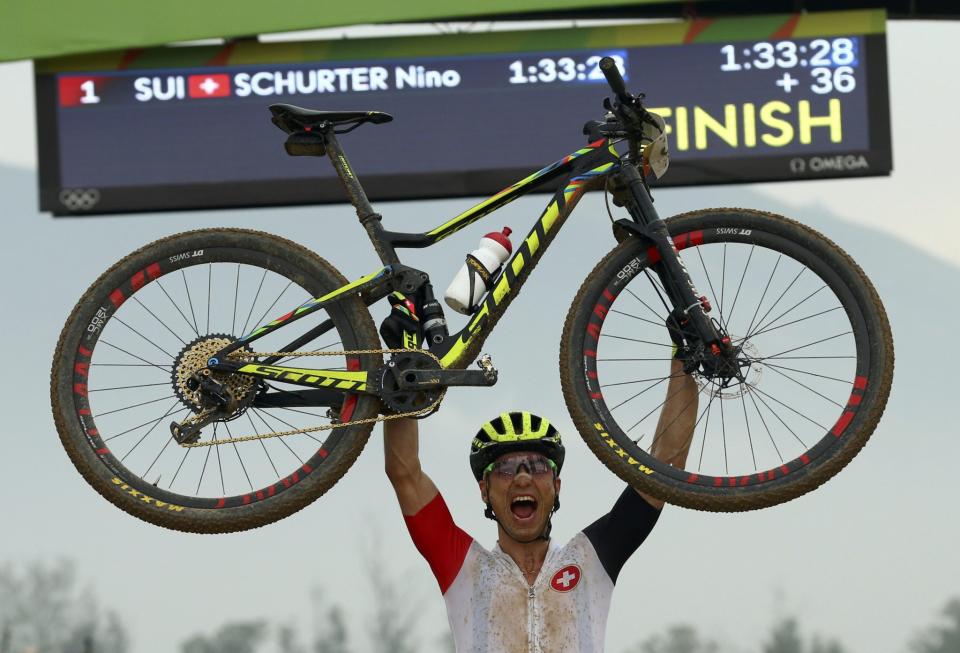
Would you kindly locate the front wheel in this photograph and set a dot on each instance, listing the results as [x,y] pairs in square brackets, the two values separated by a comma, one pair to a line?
[815,356]
[121,375]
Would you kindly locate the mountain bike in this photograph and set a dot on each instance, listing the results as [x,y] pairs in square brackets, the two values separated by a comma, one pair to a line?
[221,379]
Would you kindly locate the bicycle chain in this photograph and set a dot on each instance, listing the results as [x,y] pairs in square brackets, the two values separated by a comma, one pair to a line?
[323,427]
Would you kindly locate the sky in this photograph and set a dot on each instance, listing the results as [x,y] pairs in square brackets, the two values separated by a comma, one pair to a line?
[869,558]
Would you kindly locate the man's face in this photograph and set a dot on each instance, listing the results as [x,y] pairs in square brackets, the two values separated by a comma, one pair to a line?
[522,491]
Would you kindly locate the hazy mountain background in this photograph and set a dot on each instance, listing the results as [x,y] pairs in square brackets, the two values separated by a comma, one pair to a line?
[867,558]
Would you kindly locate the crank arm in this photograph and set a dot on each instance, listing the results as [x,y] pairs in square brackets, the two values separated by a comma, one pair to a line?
[431,379]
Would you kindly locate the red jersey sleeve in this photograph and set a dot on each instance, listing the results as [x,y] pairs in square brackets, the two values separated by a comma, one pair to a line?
[441,542]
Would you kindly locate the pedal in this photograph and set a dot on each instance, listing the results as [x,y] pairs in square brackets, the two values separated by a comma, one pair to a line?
[485,363]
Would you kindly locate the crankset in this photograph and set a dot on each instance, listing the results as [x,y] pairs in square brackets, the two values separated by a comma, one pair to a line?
[412,380]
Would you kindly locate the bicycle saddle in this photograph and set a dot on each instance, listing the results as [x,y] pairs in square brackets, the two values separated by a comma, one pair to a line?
[292,119]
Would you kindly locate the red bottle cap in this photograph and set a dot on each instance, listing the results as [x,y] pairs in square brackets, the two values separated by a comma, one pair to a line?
[502,238]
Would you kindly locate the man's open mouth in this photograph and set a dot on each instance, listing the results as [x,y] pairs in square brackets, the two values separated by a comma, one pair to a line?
[523,506]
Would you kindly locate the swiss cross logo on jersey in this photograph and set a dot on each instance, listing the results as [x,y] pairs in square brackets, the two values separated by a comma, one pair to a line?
[202,86]
[566,579]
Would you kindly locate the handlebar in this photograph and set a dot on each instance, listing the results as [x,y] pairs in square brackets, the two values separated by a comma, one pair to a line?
[609,69]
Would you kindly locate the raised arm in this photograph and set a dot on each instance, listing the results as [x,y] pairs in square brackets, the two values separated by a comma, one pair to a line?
[401,448]
[674,432]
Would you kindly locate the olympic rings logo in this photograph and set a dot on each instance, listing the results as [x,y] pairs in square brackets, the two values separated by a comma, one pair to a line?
[79,199]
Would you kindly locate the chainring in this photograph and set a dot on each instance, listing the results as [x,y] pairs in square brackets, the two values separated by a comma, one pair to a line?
[386,380]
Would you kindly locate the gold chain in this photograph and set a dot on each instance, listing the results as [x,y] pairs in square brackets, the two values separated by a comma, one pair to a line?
[243,355]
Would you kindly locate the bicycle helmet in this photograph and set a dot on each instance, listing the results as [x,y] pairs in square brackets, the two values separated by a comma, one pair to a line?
[516,431]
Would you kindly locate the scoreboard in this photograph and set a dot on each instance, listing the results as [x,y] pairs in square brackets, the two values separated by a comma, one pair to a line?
[745,99]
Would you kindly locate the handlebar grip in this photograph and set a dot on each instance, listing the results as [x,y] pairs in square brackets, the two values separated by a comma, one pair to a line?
[609,69]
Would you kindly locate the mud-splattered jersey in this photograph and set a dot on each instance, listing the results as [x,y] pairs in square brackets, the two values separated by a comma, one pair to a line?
[491,606]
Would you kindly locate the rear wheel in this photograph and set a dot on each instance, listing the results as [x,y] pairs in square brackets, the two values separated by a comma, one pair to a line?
[121,367]
[816,357]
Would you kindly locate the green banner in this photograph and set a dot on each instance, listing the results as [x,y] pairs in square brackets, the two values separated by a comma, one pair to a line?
[48,28]
[247,52]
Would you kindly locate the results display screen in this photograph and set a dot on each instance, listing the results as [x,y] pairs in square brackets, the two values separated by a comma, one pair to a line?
[178,128]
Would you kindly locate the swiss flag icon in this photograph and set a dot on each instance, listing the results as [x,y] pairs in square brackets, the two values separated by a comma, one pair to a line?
[209,85]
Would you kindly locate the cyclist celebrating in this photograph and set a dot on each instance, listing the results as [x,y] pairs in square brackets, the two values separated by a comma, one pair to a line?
[528,593]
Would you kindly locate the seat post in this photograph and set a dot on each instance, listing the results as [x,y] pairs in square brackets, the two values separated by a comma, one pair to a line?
[369,218]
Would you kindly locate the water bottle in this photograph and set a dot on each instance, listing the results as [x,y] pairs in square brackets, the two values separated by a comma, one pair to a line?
[476,276]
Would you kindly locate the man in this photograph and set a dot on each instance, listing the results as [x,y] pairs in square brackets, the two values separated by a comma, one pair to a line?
[529,594]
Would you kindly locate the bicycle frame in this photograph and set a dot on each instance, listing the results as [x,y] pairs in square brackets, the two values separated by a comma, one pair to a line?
[583,167]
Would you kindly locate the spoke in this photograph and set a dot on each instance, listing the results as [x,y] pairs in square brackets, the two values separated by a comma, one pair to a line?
[620,360]
[798,358]
[710,283]
[642,319]
[255,430]
[179,467]
[766,428]
[791,409]
[779,419]
[766,327]
[223,485]
[723,283]
[753,455]
[209,292]
[769,329]
[164,368]
[190,302]
[782,295]
[634,295]
[150,421]
[206,460]
[740,285]
[149,431]
[294,410]
[164,324]
[236,297]
[657,288]
[809,344]
[706,427]
[255,298]
[237,451]
[807,387]
[646,342]
[270,308]
[764,295]
[670,423]
[144,475]
[822,376]
[262,411]
[723,430]
[185,319]
[159,367]
[143,336]
[118,410]
[648,388]
[128,387]
[655,378]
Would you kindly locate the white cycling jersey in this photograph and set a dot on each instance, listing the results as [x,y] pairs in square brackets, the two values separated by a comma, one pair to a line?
[491,606]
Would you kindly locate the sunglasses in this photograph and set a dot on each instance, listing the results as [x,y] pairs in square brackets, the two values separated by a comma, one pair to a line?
[536,465]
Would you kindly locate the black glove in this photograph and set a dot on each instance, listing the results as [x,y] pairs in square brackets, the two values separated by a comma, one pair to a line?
[401,329]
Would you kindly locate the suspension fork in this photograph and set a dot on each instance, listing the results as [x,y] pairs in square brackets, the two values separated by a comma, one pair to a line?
[672,272]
